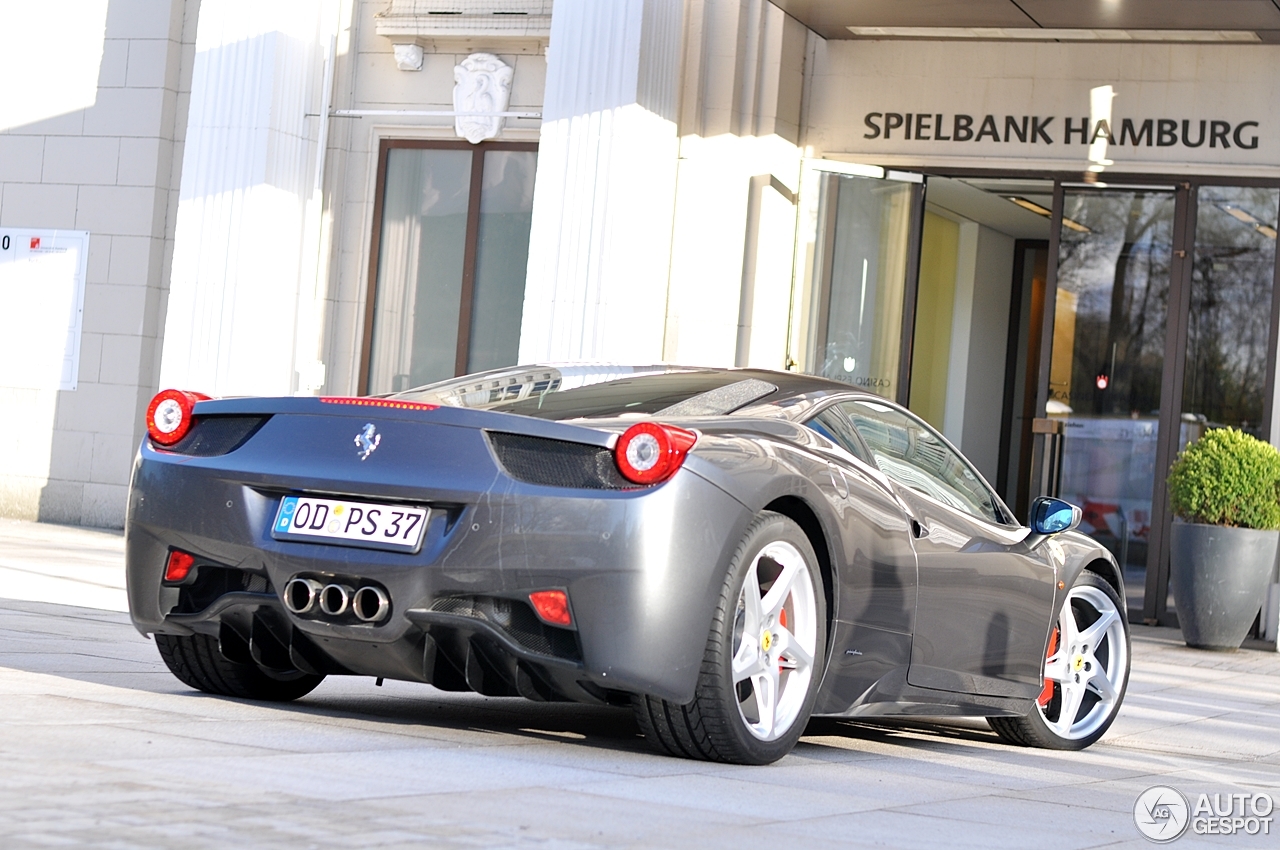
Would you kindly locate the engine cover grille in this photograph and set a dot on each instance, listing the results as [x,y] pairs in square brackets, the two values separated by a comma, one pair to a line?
[557,463]
[217,435]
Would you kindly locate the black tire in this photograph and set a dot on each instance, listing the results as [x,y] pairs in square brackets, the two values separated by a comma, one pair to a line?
[197,661]
[1034,730]
[712,726]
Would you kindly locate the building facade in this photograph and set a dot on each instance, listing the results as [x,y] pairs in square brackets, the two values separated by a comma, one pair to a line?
[1049,229]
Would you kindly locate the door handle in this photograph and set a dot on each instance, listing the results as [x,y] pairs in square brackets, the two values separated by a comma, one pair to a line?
[918,530]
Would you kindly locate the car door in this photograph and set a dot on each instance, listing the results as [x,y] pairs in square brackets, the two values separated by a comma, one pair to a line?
[984,597]
[873,622]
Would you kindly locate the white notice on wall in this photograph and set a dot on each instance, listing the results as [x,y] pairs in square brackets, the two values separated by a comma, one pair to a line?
[41,304]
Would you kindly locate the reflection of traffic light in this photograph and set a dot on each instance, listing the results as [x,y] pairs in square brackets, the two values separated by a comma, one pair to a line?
[1102,381]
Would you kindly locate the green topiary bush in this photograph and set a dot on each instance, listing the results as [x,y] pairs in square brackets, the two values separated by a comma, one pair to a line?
[1227,478]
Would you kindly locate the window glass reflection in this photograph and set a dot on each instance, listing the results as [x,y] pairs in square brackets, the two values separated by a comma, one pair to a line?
[1230,316]
[420,260]
[449,288]
[861,316]
[1228,324]
[502,258]
[1107,364]
[913,455]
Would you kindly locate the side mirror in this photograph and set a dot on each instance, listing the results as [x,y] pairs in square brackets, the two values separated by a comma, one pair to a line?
[1053,516]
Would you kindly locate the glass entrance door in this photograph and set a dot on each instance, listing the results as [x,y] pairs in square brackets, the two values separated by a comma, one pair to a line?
[1106,368]
[1141,316]
[1229,324]
[868,250]
[1228,368]
[1164,326]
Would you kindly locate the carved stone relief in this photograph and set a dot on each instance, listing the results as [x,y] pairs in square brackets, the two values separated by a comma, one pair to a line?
[482,84]
[408,56]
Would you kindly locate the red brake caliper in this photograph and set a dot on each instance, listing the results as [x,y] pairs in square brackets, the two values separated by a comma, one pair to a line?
[782,621]
[1047,693]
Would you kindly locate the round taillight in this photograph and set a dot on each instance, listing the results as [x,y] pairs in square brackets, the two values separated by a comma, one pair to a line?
[648,453]
[169,415]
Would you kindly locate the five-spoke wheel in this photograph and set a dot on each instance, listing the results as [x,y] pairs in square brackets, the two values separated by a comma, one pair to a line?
[775,633]
[1085,673]
[760,670]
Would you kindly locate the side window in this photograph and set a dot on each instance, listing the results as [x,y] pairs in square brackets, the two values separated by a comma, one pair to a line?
[835,428]
[910,453]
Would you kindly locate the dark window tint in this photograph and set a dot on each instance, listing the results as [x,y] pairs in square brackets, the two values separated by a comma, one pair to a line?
[592,392]
[910,453]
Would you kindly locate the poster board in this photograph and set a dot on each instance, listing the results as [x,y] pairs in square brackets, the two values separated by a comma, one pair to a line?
[42,277]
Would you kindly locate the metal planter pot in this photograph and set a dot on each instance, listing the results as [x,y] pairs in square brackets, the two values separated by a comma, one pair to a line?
[1218,576]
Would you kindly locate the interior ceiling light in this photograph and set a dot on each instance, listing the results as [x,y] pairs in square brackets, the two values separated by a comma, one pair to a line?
[1030,205]
[1237,213]
[1244,217]
[1047,213]
[1042,34]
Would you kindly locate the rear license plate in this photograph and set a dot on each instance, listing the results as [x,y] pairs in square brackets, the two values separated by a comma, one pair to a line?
[396,527]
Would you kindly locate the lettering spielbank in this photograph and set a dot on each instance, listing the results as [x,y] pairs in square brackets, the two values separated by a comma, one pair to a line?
[1034,129]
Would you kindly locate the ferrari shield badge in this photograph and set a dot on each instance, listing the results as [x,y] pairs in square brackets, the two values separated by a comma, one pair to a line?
[367,440]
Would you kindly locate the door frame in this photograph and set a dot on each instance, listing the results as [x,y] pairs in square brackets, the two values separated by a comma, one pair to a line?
[1018,500]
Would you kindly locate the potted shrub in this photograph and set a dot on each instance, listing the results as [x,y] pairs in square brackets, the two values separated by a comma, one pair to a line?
[1225,489]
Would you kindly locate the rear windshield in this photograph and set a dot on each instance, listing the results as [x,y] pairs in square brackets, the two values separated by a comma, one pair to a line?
[586,392]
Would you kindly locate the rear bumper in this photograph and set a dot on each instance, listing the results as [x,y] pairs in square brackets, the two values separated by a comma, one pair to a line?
[643,571]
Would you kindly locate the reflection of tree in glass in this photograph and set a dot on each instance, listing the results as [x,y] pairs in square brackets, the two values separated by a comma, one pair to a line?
[1118,269]
[1230,311]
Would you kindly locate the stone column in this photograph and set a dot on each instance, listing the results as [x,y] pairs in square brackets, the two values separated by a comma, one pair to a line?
[243,286]
[600,245]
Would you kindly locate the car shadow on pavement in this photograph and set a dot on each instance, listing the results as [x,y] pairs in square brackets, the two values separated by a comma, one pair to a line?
[102,647]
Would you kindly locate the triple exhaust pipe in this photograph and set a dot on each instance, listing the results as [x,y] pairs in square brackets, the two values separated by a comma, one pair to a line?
[305,596]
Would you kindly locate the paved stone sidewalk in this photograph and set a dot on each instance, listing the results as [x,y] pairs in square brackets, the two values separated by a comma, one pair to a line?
[100,746]
[62,563]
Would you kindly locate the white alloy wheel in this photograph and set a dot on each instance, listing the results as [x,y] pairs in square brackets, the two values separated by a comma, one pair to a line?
[1085,674]
[775,634]
[764,655]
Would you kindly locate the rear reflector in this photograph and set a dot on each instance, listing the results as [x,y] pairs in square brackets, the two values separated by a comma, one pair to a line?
[378,402]
[552,606]
[180,564]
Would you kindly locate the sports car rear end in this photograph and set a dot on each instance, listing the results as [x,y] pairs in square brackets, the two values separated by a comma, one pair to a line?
[518,515]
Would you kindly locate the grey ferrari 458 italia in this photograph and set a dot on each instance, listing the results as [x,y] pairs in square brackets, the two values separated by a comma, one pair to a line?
[728,551]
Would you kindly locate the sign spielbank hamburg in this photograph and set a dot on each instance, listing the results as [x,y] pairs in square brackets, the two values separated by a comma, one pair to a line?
[1163,108]
[1046,130]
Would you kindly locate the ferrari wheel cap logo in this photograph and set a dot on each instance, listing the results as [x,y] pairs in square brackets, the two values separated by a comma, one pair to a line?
[1078,664]
[766,641]
[367,440]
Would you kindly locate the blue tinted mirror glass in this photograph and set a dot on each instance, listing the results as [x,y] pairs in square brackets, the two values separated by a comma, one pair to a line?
[1050,516]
